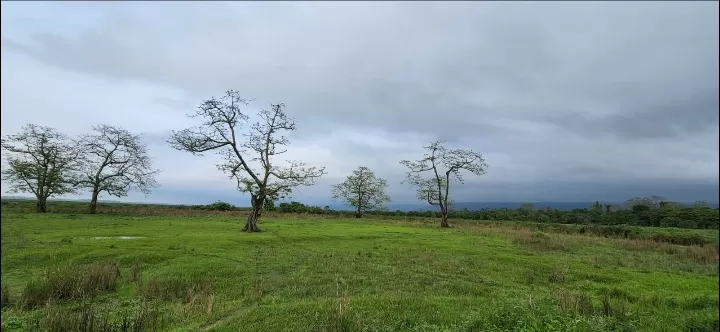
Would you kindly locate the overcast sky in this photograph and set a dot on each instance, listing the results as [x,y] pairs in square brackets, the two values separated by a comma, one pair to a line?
[568,101]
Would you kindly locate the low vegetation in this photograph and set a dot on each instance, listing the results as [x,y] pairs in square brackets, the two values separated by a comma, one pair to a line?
[70,283]
[73,272]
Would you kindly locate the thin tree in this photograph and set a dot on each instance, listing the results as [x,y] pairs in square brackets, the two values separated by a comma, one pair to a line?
[249,157]
[443,166]
[115,161]
[40,160]
[363,191]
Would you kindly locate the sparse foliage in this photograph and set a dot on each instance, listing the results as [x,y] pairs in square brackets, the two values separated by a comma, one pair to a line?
[40,160]
[444,166]
[363,191]
[115,161]
[249,157]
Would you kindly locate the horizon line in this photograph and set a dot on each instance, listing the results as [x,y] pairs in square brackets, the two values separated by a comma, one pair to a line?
[459,202]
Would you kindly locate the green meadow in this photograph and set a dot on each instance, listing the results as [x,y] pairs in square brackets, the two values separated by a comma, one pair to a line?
[76,272]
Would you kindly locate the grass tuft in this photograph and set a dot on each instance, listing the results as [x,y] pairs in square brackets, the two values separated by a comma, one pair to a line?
[706,254]
[87,317]
[70,283]
[575,302]
[540,241]
[5,300]
[195,293]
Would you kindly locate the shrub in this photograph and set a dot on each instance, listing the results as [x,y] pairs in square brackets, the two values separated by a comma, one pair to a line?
[220,206]
[684,240]
[687,224]
[670,222]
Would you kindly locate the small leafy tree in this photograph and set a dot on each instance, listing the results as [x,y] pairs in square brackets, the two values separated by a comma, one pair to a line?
[363,191]
[652,202]
[527,207]
[269,204]
[115,161]
[443,166]
[40,160]
[249,157]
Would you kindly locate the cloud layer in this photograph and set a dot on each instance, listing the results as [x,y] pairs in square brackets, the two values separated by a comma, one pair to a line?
[567,101]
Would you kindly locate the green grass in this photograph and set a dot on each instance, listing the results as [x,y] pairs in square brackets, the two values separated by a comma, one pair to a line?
[195,273]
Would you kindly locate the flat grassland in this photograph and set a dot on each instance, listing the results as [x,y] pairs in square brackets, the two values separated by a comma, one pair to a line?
[200,273]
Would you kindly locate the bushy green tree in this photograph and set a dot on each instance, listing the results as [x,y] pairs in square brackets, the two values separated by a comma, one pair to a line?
[363,191]
[42,161]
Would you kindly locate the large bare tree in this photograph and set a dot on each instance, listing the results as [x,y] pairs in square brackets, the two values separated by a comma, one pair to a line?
[443,166]
[40,160]
[249,156]
[362,190]
[115,161]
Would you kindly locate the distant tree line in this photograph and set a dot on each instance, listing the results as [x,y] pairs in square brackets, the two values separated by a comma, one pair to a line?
[635,212]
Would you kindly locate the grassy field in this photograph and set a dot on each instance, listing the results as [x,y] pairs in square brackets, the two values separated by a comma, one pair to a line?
[200,273]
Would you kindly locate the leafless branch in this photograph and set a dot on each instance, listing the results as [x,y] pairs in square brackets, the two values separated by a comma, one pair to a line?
[444,166]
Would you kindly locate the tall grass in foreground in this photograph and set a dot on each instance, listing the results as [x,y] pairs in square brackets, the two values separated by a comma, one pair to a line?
[70,283]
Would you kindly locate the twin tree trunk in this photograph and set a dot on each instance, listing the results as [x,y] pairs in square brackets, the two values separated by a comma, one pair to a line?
[444,214]
[41,205]
[257,205]
[93,201]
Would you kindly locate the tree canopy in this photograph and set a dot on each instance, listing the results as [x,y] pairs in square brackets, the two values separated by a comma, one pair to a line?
[362,190]
[250,155]
[42,161]
[438,168]
[115,161]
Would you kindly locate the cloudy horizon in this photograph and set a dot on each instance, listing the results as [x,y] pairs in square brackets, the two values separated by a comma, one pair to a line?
[567,101]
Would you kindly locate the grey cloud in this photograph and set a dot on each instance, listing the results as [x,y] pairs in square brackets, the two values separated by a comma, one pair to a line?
[588,191]
[414,59]
[156,138]
[672,118]
[547,89]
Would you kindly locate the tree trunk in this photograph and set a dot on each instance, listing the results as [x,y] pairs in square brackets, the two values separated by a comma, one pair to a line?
[93,202]
[444,214]
[251,224]
[358,213]
[444,223]
[41,205]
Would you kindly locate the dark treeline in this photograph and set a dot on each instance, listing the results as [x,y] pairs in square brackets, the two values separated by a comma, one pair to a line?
[636,212]
[651,212]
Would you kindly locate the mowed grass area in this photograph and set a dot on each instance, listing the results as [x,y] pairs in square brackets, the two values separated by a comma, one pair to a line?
[200,273]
